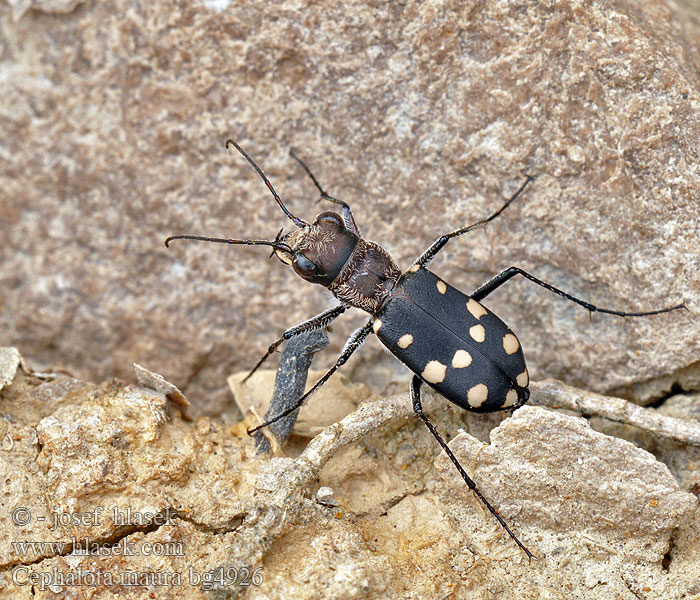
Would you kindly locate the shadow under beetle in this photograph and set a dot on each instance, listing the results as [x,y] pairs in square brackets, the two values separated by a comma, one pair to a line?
[448,339]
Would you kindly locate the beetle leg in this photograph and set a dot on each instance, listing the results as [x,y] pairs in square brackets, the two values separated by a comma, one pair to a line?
[418,408]
[438,244]
[501,278]
[320,320]
[353,343]
[347,213]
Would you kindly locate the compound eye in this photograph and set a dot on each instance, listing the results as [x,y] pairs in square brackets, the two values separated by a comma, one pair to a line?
[331,217]
[303,266]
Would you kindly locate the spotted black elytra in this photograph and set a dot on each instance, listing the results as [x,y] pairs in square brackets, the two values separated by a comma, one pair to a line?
[448,339]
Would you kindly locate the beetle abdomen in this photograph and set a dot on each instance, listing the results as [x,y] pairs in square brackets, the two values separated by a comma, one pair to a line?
[453,343]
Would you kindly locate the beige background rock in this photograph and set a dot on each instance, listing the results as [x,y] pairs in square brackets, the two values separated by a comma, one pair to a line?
[423,115]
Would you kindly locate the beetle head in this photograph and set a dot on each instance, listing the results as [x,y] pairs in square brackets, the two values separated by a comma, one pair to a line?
[319,250]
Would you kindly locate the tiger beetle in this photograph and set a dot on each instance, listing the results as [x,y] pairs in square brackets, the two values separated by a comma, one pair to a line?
[447,338]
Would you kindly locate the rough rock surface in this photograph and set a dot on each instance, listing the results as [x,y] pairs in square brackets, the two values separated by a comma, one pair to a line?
[109,493]
[423,115]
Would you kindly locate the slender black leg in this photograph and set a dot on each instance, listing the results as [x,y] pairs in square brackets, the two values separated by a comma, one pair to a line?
[501,278]
[353,343]
[417,407]
[438,244]
[347,213]
[320,320]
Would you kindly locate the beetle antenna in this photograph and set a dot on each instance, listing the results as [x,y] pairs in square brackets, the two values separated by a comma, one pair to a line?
[277,244]
[296,220]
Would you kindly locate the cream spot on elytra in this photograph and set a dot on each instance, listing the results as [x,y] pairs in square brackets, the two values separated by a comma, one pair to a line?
[523,379]
[511,398]
[478,333]
[405,341]
[477,395]
[510,343]
[461,359]
[434,372]
[475,308]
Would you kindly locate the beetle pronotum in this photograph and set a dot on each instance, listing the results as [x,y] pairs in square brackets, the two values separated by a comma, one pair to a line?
[448,339]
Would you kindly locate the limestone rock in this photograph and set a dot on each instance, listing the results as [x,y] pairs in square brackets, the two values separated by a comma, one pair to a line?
[107,487]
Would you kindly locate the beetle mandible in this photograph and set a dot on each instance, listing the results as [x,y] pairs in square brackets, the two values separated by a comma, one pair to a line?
[448,339]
